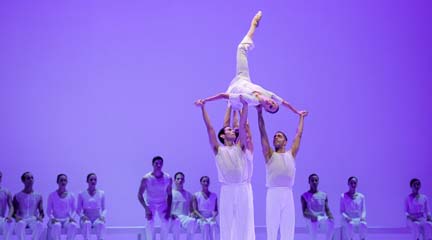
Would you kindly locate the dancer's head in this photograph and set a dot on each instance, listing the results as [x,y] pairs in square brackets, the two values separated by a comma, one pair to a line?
[415,185]
[62,180]
[313,181]
[227,134]
[352,183]
[27,179]
[91,180]
[179,179]
[279,140]
[205,182]
[270,105]
[157,163]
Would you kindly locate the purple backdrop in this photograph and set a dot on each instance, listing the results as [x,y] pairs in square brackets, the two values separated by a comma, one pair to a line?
[103,86]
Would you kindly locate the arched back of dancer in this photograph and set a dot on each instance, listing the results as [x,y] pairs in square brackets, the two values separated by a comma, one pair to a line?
[242,85]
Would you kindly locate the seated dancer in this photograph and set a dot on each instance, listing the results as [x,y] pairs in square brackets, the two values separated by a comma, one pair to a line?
[242,84]
[91,209]
[316,210]
[6,221]
[155,195]
[417,212]
[181,210]
[61,210]
[353,210]
[28,209]
[206,208]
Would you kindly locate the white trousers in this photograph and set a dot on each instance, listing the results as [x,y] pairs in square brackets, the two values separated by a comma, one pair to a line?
[35,225]
[183,222]
[158,210]
[323,224]
[54,229]
[6,227]
[416,228]
[350,226]
[97,224]
[237,212]
[280,213]
[209,229]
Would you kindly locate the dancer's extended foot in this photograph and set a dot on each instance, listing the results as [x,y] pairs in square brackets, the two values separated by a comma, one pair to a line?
[254,24]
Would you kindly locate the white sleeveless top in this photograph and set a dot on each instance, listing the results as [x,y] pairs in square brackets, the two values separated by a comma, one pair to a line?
[280,170]
[28,204]
[316,202]
[156,190]
[92,206]
[181,202]
[234,166]
[206,206]
[60,208]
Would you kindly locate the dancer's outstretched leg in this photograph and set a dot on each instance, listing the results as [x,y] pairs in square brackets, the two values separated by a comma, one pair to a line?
[242,68]
[254,24]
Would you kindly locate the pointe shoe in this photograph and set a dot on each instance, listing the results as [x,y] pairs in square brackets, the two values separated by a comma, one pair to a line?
[257,19]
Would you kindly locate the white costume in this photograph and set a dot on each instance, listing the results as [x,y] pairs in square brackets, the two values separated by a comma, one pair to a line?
[181,209]
[236,199]
[241,84]
[62,210]
[280,215]
[27,209]
[417,206]
[206,207]
[155,196]
[92,207]
[316,205]
[7,227]
[354,209]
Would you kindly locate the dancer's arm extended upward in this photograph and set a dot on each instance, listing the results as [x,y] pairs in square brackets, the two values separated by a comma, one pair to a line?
[244,134]
[296,143]
[210,130]
[267,150]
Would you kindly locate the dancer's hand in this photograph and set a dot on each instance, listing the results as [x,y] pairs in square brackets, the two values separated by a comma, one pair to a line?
[149,214]
[199,102]
[303,113]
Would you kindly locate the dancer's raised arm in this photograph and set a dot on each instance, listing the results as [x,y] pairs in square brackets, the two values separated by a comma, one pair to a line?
[210,130]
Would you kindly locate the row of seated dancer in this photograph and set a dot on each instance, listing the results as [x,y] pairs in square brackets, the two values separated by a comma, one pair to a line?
[187,211]
[181,210]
